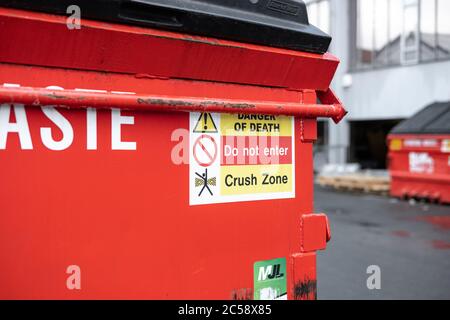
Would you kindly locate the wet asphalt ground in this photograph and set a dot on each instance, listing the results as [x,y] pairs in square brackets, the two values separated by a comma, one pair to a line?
[410,242]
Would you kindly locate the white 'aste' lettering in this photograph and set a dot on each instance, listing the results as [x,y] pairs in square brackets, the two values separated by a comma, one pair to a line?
[21,128]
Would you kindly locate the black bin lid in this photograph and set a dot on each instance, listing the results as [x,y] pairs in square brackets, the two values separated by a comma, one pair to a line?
[434,119]
[276,23]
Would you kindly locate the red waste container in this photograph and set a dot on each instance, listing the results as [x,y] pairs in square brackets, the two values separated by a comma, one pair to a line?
[144,164]
[419,156]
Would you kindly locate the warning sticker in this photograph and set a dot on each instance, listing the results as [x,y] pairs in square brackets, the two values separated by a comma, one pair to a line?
[421,163]
[236,158]
[270,281]
[396,145]
[445,146]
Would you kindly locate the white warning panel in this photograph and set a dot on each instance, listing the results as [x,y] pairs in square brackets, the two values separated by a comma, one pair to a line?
[237,158]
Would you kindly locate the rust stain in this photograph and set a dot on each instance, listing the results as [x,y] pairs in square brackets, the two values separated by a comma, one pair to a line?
[180,103]
[149,76]
[197,40]
[305,290]
[402,234]
[441,245]
[201,40]
[163,102]
[211,42]
[55,96]
[242,295]
[233,105]
[440,222]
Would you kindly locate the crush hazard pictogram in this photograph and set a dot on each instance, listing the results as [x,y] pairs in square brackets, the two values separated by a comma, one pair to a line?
[205,182]
[205,124]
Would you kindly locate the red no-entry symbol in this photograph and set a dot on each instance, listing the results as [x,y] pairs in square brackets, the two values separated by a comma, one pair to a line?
[205,150]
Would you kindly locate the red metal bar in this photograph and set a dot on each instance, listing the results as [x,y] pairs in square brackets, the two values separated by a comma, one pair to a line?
[76,99]
[328,97]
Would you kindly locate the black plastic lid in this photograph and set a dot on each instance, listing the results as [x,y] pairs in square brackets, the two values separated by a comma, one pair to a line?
[434,119]
[276,23]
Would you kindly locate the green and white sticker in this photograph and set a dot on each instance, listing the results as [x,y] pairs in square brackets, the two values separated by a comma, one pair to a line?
[270,281]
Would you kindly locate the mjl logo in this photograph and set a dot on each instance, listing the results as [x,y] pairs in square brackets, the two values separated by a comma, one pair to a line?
[270,273]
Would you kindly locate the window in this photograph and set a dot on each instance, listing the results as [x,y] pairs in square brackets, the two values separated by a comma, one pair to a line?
[394,32]
[409,50]
[443,28]
[319,14]
[428,29]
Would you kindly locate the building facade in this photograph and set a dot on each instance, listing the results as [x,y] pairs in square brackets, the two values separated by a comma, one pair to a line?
[395,60]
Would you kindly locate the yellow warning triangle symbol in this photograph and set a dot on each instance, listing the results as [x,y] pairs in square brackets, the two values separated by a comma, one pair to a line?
[205,124]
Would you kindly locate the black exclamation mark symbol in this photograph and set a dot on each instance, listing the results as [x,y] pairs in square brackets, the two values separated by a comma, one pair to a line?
[205,116]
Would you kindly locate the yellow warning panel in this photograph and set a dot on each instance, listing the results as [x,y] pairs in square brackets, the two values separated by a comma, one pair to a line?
[205,124]
[396,145]
[255,125]
[241,180]
[260,170]
[446,146]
